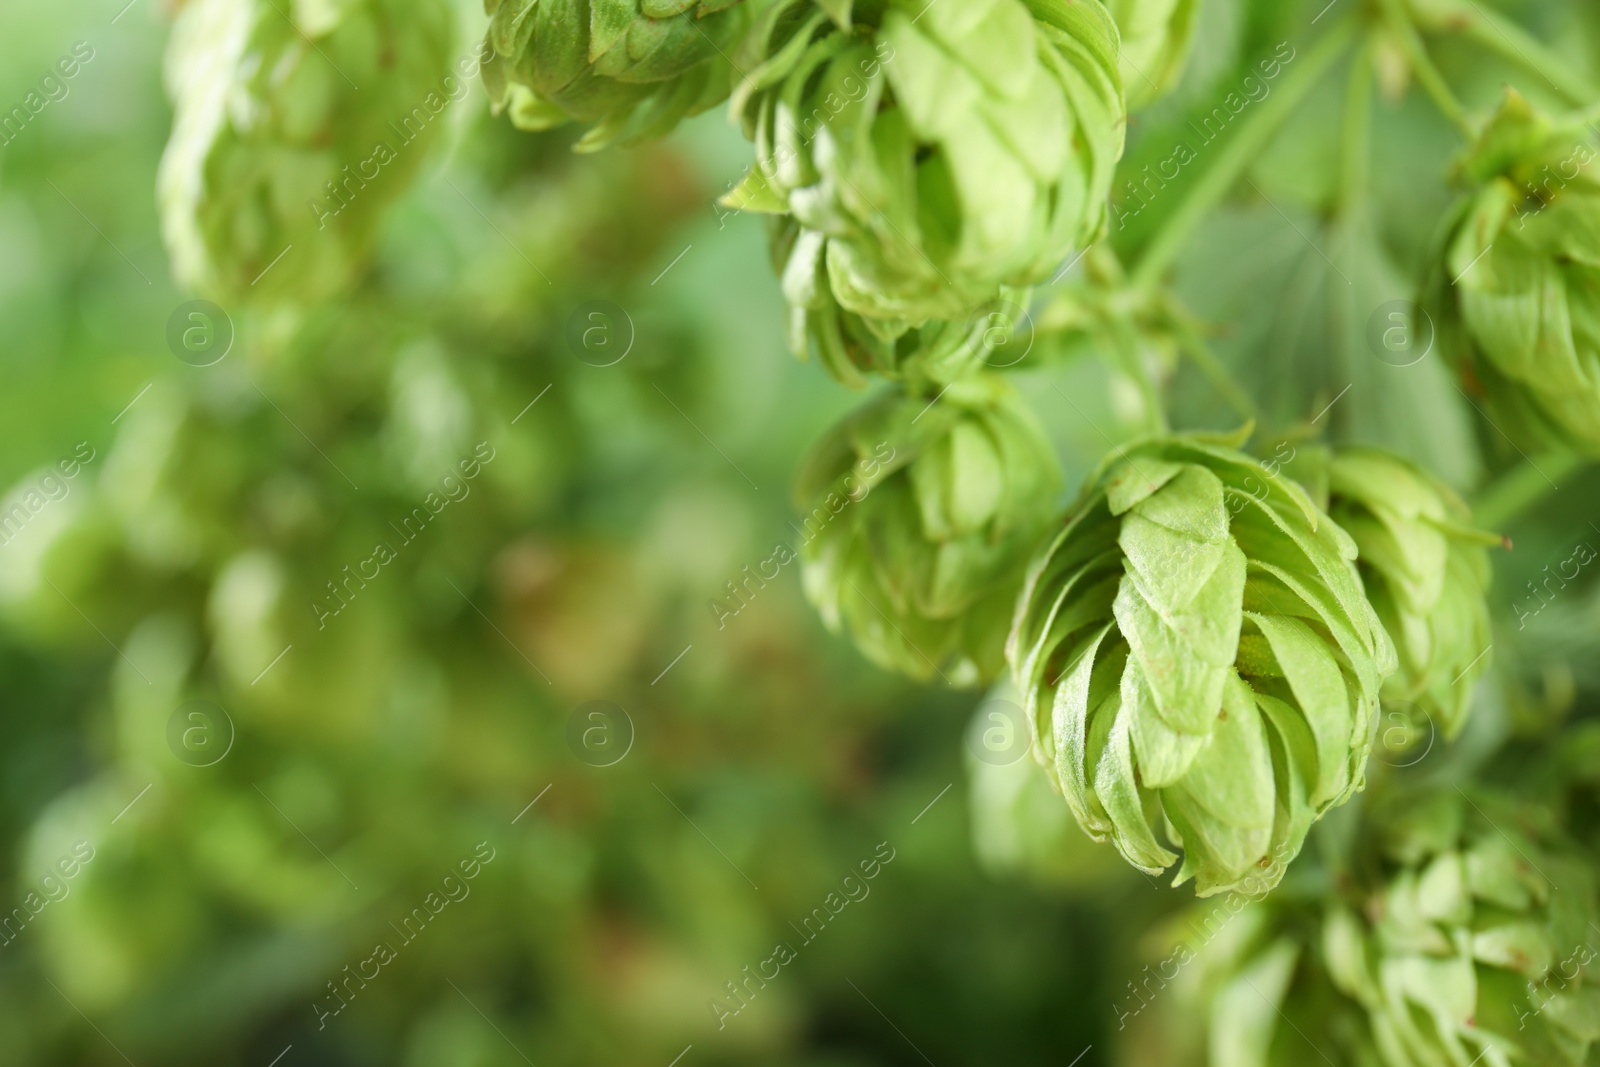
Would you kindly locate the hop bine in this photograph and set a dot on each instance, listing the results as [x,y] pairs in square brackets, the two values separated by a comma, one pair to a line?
[632,69]
[296,126]
[924,509]
[1520,305]
[939,151]
[1476,945]
[1195,648]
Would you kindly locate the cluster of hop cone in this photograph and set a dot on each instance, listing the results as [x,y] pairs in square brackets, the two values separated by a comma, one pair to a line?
[1202,642]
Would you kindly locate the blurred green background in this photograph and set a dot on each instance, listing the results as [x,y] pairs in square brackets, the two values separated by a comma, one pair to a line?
[246,862]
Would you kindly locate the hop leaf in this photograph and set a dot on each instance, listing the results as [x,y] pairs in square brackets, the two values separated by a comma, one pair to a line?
[923,512]
[631,68]
[1477,944]
[293,133]
[1426,573]
[1524,260]
[1196,645]
[851,346]
[944,150]
[1156,35]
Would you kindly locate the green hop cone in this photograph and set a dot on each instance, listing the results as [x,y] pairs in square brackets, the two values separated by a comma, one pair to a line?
[851,346]
[944,151]
[1156,35]
[632,69]
[296,126]
[1477,946]
[1426,572]
[1195,648]
[1519,290]
[923,511]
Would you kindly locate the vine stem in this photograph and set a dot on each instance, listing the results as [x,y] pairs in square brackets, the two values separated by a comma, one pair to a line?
[1428,76]
[1520,48]
[1524,487]
[1248,141]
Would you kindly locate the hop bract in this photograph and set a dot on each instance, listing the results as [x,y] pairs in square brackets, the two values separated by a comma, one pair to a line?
[1525,263]
[632,69]
[1156,35]
[296,126]
[1426,572]
[1195,650]
[923,511]
[943,150]
[1478,945]
[852,346]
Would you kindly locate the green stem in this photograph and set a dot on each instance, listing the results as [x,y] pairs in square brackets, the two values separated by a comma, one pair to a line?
[1245,147]
[1428,76]
[1520,48]
[1524,487]
[1356,166]
[1195,347]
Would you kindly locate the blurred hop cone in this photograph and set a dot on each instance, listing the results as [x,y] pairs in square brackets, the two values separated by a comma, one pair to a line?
[1478,946]
[922,513]
[1195,649]
[851,346]
[296,125]
[1156,35]
[1520,284]
[1426,572]
[632,69]
[943,150]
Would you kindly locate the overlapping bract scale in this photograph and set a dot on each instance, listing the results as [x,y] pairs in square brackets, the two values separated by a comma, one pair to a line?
[1199,662]
[296,126]
[923,510]
[940,151]
[632,69]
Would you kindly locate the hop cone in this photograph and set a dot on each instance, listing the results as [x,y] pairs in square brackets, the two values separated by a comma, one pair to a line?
[1196,646]
[296,126]
[944,150]
[1426,572]
[851,346]
[1524,310]
[923,512]
[1156,35]
[632,69]
[1477,946]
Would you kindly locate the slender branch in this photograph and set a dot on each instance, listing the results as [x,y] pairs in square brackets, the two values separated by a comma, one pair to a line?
[1250,138]
[1428,76]
[1523,487]
[1519,47]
